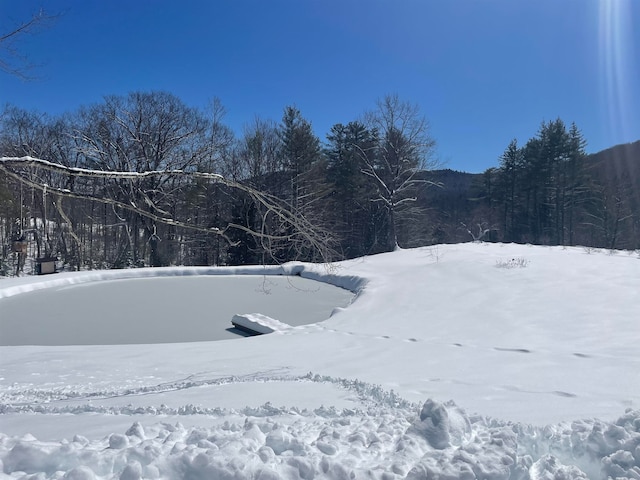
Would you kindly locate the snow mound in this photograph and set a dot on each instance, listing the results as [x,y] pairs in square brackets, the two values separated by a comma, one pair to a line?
[439,442]
[258,323]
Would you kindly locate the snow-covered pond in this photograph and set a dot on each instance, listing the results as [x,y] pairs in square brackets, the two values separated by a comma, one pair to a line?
[161,309]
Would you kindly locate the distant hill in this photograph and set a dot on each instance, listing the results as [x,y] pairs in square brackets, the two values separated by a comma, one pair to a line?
[619,164]
[626,153]
[614,181]
[453,181]
[620,161]
[617,169]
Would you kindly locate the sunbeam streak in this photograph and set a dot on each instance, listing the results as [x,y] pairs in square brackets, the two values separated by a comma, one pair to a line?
[616,61]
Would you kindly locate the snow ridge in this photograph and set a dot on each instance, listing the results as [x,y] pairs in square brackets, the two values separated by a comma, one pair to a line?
[388,438]
[383,442]
[31,400]
[325,273]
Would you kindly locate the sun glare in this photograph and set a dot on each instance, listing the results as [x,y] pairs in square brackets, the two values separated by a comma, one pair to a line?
[615,59]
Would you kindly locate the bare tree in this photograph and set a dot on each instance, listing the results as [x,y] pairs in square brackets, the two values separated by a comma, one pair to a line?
[220,140]
[294,228]
[259,149]
[12,61]
[403,152]
[139,133]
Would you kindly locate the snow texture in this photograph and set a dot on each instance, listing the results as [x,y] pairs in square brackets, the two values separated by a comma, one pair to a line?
[541,360]
[383,442]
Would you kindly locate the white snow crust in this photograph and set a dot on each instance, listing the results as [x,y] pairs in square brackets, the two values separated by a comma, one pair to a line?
[450,363]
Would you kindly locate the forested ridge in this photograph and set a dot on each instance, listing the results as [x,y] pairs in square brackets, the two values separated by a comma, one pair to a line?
[144,179]
[594,202]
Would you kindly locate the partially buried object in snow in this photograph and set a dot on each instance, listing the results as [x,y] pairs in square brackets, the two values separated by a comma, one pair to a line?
[257,324]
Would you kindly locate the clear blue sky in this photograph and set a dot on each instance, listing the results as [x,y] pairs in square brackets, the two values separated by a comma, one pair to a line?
[482,71]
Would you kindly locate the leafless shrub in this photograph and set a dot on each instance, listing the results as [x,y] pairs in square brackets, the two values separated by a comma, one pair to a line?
[516,262]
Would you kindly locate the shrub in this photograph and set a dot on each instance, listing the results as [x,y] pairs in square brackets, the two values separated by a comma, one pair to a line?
[517,262]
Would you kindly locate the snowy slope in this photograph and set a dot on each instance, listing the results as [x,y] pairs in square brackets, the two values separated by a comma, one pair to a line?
[537,346]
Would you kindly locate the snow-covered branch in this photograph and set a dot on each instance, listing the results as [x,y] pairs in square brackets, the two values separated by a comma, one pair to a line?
[28,161]
[296,230]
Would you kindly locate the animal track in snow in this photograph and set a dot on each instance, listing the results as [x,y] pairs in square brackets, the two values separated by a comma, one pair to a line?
[560,393]
[515,350]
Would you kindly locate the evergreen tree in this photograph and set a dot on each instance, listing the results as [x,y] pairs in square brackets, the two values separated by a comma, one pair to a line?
[304,168]
[509,173]
[543,188]
[577,189]
[300,152]
[351,195]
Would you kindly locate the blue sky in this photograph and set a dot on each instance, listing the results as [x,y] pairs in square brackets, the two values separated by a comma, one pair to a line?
[482,71]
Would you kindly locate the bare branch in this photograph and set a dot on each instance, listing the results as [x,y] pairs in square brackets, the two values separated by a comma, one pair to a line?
[303,232]
[12,61]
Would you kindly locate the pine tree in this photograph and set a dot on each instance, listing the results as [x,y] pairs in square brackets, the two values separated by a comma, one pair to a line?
[509,173]
[351,195]
[300,153]
[577,181]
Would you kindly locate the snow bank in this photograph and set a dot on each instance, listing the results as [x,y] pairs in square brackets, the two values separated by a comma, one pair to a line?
[326,273]
[15,286]
[439,442]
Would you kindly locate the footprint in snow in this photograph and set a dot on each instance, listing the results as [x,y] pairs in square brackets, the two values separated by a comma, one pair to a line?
[516,350]
[559,393]
[564,394]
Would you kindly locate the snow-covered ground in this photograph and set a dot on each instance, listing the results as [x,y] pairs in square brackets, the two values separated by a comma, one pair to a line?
[537,347]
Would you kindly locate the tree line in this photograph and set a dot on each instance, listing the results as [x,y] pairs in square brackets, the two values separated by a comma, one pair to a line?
[144,179]
[273,194]
[549,192]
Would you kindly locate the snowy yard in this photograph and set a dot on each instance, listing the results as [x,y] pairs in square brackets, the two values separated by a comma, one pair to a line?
[537,347]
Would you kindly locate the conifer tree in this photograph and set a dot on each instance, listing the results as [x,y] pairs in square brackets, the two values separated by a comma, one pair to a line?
[351,194]
[509,172]
[300,153]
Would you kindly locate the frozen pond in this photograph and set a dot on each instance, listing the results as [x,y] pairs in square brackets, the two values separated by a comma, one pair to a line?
[160,309]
